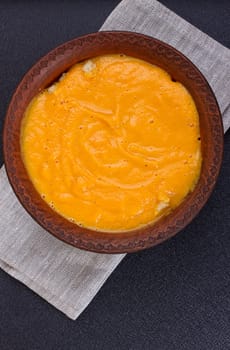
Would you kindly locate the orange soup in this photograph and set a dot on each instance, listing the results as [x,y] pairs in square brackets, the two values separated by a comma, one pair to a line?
[114,144]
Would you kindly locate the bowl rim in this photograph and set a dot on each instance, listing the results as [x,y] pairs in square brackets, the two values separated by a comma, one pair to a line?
[98,241]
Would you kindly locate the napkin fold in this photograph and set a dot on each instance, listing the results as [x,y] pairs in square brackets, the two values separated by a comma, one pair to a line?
[67,277]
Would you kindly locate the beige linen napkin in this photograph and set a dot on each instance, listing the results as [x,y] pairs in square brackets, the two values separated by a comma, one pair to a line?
[66,277]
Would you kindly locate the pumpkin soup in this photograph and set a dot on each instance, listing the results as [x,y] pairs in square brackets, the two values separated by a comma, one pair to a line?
[114,144]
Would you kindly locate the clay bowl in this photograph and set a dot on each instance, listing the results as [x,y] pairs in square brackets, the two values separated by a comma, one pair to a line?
[46,71]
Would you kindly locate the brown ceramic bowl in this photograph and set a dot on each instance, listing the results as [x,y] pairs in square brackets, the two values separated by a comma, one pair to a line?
[47,70]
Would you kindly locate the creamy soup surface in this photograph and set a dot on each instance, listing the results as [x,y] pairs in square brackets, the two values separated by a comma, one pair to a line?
[114,144]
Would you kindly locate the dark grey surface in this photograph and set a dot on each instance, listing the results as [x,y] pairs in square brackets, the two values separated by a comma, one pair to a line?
[174,296]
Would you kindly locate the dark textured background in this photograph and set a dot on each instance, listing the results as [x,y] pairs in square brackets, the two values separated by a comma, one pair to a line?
[174,296]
